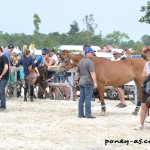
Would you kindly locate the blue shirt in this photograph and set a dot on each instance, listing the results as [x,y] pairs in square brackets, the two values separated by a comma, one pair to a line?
[26,62]
[39,60]
[7,54]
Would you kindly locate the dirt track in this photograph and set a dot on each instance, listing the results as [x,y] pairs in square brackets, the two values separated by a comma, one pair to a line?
[54,125]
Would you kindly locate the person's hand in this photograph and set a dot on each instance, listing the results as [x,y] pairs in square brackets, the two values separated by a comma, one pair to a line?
[12,71]
[0,77]
[49,67]
[76,82]
[95,85]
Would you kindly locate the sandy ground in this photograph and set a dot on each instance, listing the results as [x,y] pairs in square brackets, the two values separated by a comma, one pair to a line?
[54,125]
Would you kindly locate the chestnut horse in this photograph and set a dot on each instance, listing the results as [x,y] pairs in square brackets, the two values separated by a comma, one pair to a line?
[111,73]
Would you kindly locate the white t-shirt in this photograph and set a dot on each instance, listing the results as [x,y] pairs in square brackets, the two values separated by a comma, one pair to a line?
[147,67]
[55,59]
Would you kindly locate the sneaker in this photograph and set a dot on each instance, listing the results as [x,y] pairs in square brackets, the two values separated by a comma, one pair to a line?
[2,108]
[147,119]
[81,116]
[118,105]
[121,105]
[91,117]
[139,127]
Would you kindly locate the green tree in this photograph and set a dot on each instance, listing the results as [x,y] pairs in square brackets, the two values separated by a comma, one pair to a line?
[146,17]
[138,46]
[36,22]
[116,37]
[89,21]
[74,28]
[146,40]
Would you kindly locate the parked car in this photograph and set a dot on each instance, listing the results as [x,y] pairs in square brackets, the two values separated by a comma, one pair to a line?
[128,89]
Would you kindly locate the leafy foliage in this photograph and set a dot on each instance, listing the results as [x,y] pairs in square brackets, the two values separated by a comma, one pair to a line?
[146,17]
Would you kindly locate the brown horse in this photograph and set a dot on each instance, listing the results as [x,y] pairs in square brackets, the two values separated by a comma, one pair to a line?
[111,73]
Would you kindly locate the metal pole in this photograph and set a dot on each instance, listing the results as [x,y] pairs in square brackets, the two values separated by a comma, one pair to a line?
[71,88]
[15,85]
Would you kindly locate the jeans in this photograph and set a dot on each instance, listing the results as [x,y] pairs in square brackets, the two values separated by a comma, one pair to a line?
[3,84]
[86,93]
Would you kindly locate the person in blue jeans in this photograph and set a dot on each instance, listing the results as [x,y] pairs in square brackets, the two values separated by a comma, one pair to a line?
[4,76]
[87,83]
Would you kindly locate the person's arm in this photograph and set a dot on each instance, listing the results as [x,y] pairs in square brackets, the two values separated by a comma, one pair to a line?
[93,75]
[4,70]
[76,76]
[37,71]
[52,61]
[54,66]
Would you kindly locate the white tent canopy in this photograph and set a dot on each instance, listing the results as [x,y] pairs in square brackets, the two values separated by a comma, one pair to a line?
[17,50]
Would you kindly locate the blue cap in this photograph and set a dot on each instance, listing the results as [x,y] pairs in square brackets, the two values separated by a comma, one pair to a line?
[45,51]
[89,50]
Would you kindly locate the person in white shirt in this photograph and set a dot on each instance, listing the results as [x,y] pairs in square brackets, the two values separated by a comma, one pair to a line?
[53,59]
[146,95]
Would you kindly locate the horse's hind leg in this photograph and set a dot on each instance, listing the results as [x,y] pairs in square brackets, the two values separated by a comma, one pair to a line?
[103,106]
[138,103]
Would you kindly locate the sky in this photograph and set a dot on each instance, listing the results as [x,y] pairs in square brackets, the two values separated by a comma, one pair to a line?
[57,16]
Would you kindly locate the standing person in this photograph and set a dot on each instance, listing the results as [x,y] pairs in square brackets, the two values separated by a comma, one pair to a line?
[4,76]
[120,89]
[7,52]
[86,70]
[84,48]
[26,61]
[144,109]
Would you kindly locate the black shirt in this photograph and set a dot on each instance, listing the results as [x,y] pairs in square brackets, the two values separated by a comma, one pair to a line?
[3,61]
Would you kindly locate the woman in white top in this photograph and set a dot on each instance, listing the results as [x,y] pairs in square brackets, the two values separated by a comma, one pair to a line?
[144,109]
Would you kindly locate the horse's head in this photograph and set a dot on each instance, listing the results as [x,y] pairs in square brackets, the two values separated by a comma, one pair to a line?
[64,53]
[67,64]
[70,60]
[146,53]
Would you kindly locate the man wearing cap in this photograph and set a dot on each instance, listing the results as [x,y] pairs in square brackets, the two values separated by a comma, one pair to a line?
[86,70]
[8,51]
[120,89]
[39,60]
[84,48]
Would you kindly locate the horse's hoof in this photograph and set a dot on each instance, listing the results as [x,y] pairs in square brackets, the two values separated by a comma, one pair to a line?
[103,112]
[135,113]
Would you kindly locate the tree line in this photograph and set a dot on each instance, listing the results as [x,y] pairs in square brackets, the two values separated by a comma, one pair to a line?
[75,36]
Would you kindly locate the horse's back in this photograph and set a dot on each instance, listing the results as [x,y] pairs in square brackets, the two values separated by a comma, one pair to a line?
[118,72]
